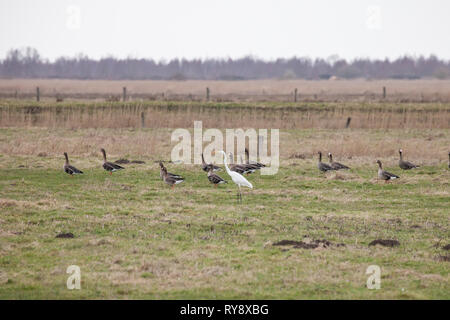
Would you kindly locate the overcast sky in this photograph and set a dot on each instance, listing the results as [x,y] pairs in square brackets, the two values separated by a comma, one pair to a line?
[227,28]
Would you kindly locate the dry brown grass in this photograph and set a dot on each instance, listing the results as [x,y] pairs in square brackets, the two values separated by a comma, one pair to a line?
[351,147]
[281,90]
[174,115]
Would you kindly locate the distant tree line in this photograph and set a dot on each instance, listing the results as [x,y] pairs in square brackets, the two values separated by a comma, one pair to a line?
[27,63]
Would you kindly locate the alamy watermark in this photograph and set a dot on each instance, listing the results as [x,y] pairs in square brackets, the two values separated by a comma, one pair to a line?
[374,280]
[73,21]
[373,18]
[257,146]
[74,280]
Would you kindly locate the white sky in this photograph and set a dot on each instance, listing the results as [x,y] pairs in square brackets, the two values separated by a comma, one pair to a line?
[227,28]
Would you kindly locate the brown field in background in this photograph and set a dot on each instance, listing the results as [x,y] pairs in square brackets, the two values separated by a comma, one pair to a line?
[427,90]
[142,128]
[216,115]
[356,147]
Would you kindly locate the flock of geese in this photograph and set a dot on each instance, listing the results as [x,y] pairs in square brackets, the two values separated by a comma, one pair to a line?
[382,174]
[236,171]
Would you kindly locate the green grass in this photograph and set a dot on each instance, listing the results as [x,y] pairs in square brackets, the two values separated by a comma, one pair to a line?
[137,238]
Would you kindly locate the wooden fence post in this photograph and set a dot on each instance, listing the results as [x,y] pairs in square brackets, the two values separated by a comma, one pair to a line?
[142,119]
[295,95]
[348,122]
[38,98]
[384,92]
[124,94]
[207,94]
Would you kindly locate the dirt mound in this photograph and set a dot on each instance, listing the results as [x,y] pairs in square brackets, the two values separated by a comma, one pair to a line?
[307,245]
[287,243]
[137,161]
[385,243]
[65,235]
[304,245]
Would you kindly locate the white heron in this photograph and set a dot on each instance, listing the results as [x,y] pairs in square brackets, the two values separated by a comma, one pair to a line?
[236,177]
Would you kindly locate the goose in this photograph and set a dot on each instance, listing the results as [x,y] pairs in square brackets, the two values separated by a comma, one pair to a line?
[449,160]
[206,166]
[70,169]
[405,165]
[161,173]
[109,166]
[384,175]
[257,164]
[214,178]
[323,166]
[239,168]
[237,178]
[248,168]
[171,181]
[336,165]
[251,166]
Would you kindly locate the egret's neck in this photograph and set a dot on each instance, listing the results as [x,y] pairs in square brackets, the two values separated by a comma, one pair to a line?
[225,163]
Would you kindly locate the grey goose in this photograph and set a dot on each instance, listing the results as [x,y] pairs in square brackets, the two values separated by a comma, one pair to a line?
[206,167]
[336,165]
[253,163]
[214,178]
[109,166]
[70,169]
[323,166]
[405,165]
[161,173]
[384,175]
[248,168]
[239,168]
[170,180]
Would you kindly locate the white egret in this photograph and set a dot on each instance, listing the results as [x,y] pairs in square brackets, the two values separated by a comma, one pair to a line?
[236,177]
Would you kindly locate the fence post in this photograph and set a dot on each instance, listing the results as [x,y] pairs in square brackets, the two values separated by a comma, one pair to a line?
[38,98]
[142,119]
[295,95]
[124,94]
[207,94]
[348,122]
[15,94]
[384,92]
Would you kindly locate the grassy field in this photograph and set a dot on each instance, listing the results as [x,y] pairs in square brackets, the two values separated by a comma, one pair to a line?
[134,237]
